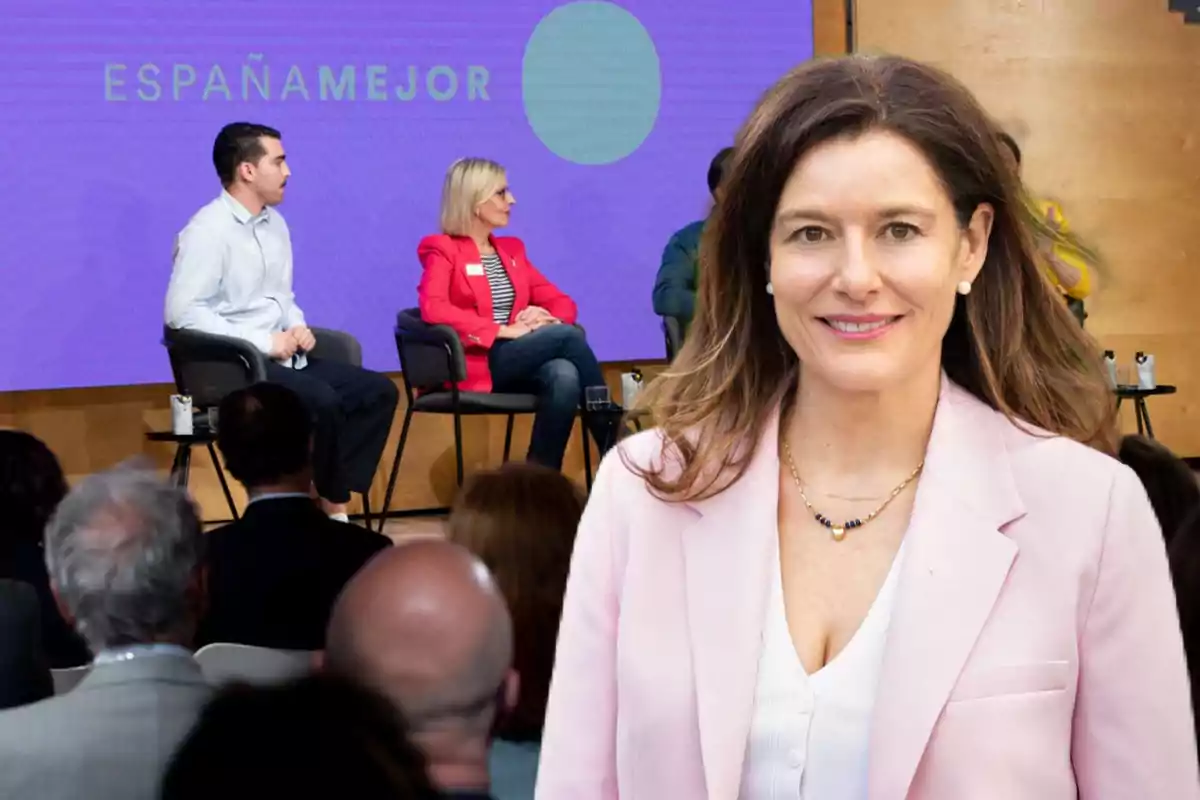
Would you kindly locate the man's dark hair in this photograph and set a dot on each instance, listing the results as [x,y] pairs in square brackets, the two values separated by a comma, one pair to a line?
[716,169]
[239,143]
[264,432]
[1169,481]
[323,735]
[1011,144]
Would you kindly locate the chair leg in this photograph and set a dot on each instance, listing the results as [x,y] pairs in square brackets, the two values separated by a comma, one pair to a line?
[458,447]
[508,438]
[212,452]
[587,449]
[391,485]
[366,500]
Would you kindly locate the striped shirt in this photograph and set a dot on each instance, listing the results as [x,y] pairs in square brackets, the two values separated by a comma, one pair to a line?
[502,288]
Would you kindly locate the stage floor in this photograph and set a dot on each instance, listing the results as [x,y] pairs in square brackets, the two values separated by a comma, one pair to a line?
[400,529]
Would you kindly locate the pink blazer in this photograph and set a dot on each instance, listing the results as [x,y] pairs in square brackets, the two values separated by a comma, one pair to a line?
[1034,651]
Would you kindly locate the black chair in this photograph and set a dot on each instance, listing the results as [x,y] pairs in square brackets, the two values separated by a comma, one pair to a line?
[208,367]
[673,334]
[431,357]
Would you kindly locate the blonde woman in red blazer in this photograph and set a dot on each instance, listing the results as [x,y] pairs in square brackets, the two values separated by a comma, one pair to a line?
[517,329]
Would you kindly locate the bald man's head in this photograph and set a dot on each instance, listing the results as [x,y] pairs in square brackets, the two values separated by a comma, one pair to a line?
[424,624]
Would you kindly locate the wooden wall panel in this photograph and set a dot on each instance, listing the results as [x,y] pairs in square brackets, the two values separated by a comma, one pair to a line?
[1101,94]
[92,429]
[829,27]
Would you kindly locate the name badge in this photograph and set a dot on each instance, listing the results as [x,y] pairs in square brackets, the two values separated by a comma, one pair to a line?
[474,269]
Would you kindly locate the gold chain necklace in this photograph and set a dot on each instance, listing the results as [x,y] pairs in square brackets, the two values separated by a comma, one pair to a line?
[839,531]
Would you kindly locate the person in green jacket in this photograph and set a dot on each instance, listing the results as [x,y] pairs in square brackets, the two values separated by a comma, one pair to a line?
[675,285]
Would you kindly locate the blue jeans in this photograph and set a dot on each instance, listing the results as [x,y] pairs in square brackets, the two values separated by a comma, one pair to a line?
[557,364]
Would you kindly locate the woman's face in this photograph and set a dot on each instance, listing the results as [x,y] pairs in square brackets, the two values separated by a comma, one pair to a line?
[496,208]
[866,257]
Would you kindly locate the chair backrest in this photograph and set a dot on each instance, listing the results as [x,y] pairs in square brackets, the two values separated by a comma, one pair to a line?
[673,334]
[431,356]
[337,346]
[224,663]
[67,679]
[208,367]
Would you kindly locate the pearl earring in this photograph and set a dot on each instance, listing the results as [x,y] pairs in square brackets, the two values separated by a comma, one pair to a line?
[964,287]
[770,288]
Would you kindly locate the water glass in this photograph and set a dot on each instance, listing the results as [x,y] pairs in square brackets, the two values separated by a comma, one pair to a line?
[596,398]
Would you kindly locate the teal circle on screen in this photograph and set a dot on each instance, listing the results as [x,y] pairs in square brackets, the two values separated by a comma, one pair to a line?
[591,82]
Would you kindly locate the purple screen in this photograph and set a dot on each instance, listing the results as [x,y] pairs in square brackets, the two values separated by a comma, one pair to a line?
[605,116]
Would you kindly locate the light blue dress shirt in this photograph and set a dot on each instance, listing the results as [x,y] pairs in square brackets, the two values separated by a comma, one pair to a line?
[232,275]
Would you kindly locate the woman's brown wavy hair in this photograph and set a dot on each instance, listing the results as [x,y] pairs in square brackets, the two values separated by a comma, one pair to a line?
[1012,342]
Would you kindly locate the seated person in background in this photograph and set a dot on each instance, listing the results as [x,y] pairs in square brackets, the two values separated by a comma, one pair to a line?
[675,286]
[233,277]
[1170,483]
[274,574]
[318,737]
[1184,553]
[425,625]
[31,486]
[517,328]
[124,551]
[520,520]
[1067,260]
[24,674]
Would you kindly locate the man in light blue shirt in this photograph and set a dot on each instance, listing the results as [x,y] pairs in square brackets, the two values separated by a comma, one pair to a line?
[232,276]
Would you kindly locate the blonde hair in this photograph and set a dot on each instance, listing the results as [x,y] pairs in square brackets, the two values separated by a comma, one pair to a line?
[469,182]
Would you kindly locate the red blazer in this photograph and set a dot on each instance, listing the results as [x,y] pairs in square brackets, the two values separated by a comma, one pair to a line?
[449,296]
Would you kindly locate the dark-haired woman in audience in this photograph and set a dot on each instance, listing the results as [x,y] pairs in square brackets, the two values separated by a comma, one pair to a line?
[520,520]
[31,486]
[878,546]
[516,327]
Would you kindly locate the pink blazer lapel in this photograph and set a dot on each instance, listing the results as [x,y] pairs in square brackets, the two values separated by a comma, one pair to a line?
[727,558]
[957,562]
[473,271]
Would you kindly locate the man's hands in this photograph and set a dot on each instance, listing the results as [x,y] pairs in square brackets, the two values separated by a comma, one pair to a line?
[304,337]
[284,344]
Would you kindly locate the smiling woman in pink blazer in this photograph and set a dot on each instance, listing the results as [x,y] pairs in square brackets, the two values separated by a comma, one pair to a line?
[877,547]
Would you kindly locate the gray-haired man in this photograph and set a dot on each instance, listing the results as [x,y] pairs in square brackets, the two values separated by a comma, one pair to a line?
[124,553]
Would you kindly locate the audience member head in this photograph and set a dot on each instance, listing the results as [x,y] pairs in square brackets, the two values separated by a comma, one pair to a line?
[424,624]
[475,198]
[31,486]
[1170,483]
[868,185]
[318,736]
[520,520]
[24,670]
[124,551]
[716,169]
[265,435]
[1011,151]
[251,164]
